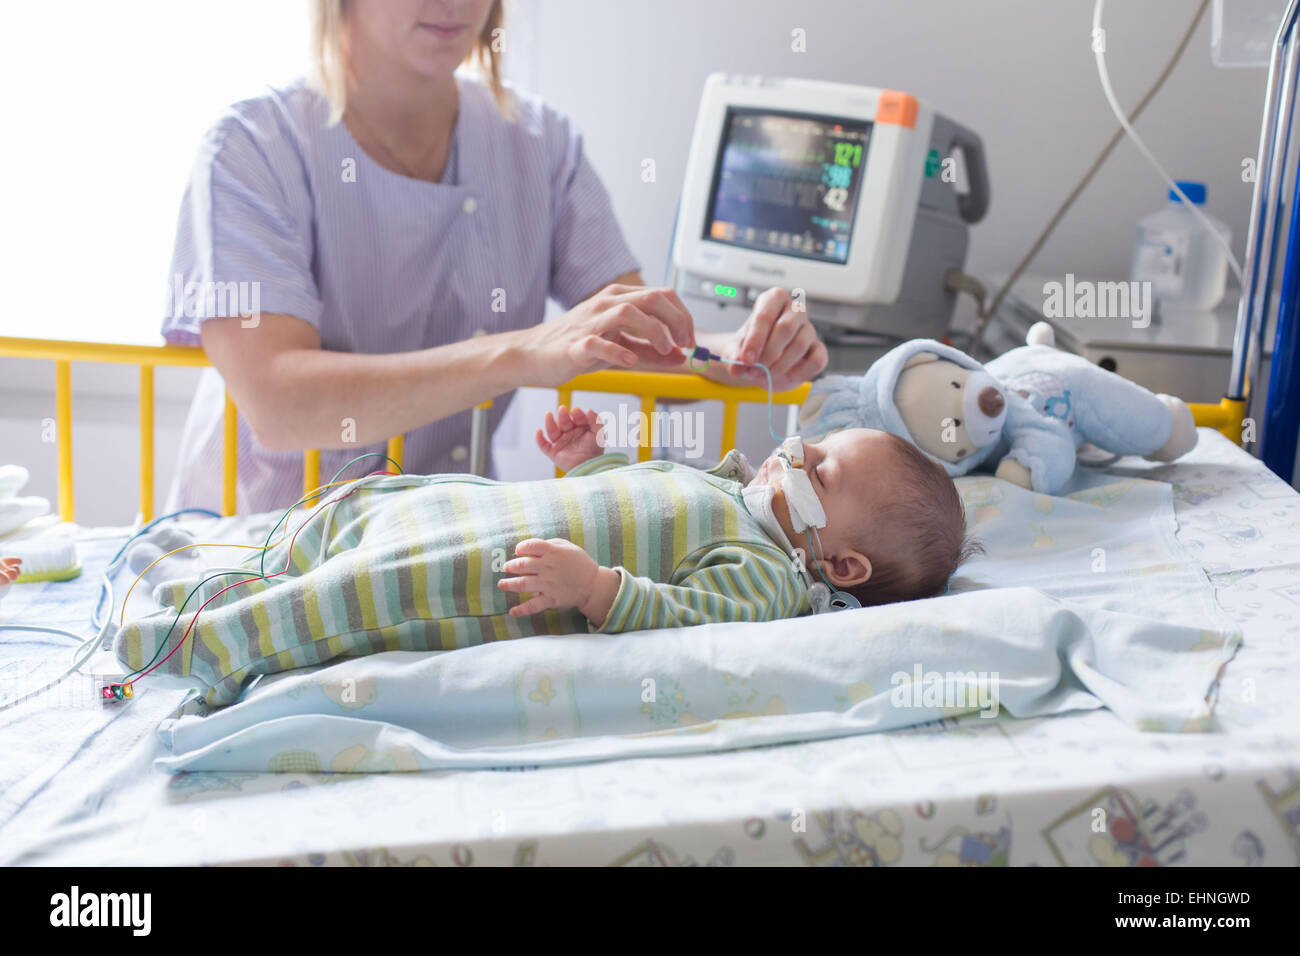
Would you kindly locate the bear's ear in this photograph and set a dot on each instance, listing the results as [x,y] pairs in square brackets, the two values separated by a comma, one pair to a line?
[920,358]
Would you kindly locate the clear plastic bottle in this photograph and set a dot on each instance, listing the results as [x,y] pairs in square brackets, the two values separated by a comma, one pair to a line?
[1184,263]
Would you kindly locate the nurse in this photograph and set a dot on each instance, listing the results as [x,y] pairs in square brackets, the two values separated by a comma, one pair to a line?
[369,252]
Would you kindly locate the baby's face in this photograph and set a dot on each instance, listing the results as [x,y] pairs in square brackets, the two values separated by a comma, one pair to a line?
[848,469]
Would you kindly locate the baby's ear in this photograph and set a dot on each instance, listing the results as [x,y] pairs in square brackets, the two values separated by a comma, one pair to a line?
[920,358]
[849,569]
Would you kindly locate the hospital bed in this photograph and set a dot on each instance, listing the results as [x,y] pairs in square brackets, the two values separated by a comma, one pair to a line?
[80,785]
[960,790]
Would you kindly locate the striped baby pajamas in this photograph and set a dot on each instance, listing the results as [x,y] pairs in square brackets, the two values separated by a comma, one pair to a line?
[411,562]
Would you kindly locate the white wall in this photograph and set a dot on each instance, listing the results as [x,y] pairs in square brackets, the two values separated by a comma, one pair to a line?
[1019,72]
[106,106]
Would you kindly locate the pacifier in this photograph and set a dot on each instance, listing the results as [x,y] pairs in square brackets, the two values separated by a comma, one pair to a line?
[823,599]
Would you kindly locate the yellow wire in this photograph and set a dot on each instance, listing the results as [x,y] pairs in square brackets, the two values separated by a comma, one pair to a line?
[206,544]
[216,544]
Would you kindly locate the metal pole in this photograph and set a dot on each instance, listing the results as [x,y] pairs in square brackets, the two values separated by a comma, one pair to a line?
[478,439]
[1277,446]
[1261,238]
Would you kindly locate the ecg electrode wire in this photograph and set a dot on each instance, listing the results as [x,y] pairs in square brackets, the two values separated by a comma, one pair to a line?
[87,645]
[150,666]
[315,492]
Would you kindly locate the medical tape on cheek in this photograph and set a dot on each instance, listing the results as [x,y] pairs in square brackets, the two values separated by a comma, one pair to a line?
[807,515]
[801,500]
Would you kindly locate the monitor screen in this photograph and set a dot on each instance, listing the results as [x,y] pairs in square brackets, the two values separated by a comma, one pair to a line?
[788,183]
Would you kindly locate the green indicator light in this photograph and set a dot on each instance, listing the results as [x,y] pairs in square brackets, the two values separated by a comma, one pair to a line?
[932,163]
[727,290]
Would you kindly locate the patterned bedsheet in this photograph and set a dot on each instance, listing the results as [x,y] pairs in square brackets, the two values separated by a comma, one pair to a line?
[1076,789]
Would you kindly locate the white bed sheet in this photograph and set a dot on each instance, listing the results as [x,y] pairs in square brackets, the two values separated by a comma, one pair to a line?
[967,791]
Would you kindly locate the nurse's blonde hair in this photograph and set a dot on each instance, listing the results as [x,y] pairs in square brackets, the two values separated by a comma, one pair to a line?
[329,57]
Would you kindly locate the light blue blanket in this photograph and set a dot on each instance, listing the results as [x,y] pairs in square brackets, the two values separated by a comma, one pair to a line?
[1082,602]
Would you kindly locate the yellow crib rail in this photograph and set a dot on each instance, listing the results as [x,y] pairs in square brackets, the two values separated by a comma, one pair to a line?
[649,386]
[1228,417]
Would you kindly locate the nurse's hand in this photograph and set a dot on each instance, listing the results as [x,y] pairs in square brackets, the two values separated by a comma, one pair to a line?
[780,336]
[624,326]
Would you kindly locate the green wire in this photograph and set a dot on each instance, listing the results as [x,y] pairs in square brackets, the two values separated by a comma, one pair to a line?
[162,645]
[261,573]
[317,494]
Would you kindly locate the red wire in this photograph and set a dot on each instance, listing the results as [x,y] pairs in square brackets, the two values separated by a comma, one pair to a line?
[265,577]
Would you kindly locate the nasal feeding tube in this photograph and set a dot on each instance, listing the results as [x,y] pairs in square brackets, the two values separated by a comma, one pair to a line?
[807,515]
[806,512]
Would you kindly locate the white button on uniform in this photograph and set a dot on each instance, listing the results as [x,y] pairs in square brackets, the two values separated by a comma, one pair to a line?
[459,453]
[470,204]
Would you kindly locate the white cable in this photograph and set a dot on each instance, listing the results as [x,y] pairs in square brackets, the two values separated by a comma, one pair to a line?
[79,660]
[84,652]
[1099,48]
[105,587]
[42,629]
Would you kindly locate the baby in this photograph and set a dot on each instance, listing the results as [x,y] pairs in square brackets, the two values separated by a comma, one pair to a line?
[435,562]
[894,526]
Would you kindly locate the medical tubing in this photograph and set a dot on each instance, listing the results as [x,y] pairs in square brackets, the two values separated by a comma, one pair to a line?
[79,659]
[87,645]
[991,309]
[814,542]
[1099,48]
[701,352]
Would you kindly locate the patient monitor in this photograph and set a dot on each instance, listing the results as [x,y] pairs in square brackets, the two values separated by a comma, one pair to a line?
[856,199]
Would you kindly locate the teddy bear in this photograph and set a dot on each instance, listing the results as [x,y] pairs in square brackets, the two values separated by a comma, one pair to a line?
[1024,415]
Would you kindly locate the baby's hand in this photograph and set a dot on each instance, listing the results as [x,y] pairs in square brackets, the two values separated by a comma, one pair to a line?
[571,437]
[557,572]
[10,568]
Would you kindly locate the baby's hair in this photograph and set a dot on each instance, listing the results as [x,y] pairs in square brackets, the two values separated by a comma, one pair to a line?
[915,536]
